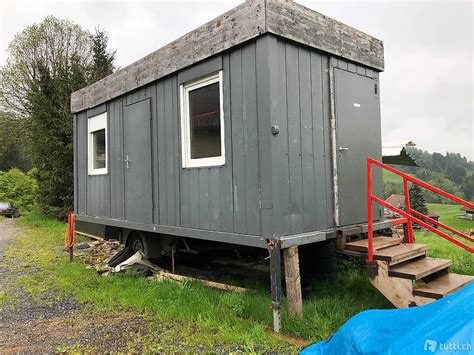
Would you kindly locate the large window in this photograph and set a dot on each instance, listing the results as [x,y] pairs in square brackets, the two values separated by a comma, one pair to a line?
[202,122]
[97,144]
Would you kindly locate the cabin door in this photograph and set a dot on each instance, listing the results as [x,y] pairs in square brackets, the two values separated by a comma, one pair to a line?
[137,162]
[358,135]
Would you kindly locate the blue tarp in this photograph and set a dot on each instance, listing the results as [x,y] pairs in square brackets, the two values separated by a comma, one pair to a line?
[442,327]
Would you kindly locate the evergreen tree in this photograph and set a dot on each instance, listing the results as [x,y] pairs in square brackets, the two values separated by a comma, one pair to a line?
[103,59]
[417,200]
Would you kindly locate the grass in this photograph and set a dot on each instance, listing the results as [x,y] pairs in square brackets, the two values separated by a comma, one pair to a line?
[463,262]
[207,314]
[389,177]
[235,318]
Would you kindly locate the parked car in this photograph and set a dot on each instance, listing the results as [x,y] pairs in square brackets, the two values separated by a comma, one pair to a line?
[7,209]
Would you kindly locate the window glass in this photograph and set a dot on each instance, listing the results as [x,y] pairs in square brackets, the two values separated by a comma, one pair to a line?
[205,125]
[4,205]
[98,143]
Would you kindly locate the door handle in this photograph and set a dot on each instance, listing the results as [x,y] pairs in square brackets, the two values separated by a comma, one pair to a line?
[127,162]
[343,149]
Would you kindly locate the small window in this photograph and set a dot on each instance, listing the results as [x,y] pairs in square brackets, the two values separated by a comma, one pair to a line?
[97,144]
[202,122]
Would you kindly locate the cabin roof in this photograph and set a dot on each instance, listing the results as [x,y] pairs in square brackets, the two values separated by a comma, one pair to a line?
[248,20]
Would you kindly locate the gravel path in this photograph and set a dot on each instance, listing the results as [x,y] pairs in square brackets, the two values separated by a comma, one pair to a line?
[48,325]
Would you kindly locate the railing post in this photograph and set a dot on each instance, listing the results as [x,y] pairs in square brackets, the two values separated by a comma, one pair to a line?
[369,210]
[411,238]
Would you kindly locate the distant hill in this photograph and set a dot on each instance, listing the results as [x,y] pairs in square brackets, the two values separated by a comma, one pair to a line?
[451,172]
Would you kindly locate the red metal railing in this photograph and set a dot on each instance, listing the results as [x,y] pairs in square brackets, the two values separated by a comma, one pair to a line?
[409,214]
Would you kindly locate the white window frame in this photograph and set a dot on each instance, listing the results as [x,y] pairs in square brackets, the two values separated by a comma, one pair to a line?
[94,124]
[187,161]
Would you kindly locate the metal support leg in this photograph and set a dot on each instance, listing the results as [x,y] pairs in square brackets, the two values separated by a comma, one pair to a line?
[275,279]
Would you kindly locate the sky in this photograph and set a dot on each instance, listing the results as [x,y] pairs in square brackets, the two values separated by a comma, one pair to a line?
[426,88]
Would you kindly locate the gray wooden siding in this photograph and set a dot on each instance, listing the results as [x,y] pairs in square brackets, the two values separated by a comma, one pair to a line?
[301,151]
[271,184]
[223,198]
[93,191]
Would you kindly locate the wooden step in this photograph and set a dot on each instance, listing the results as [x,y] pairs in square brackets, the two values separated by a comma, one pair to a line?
[442,286]
[399,253]
[378,243]
[417,269]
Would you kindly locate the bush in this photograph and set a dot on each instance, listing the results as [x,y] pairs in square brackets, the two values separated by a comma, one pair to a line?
[19,188]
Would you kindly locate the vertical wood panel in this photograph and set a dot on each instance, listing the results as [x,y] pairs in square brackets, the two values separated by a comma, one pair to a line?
[194,198]
[307,144]
[327,142]
[226,172]
[155,127]
[319,118]
[266,64]
[294,139]
[184,198]
[238,154]
[161,134]
[170,153]
[204,202]
[214,199]
[281,188]
[250,134]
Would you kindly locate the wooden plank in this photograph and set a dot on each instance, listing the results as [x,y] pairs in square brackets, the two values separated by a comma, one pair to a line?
[293,281]
[327,163]
[378,243]
[294,139]
[194,198]
[226,176]
[266,64]
[238,139]
[204,202]
[279,152]
[420,268]
[161,134]
[242,23]
[398,291]
[307,142]
[322,32]
[250,131]
[443,286]
[170,160]
[399,252]
[236,26]
[214,199]
[319,134]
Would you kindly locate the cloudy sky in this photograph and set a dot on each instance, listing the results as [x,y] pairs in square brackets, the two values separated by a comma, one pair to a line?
[426,89]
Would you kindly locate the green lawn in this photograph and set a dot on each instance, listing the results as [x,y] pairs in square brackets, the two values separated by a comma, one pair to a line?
[206,312]
[463,261]
[389,177]
[237,318]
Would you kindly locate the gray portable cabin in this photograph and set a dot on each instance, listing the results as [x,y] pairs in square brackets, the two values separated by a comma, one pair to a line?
[298,114]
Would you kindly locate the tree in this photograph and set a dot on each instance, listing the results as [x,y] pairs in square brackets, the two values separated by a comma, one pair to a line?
[46,63]
[19,188]
[468,187]
[14,147]
[417,200]
[103,59]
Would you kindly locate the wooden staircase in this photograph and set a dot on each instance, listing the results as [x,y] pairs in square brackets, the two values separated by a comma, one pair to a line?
[404,274]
